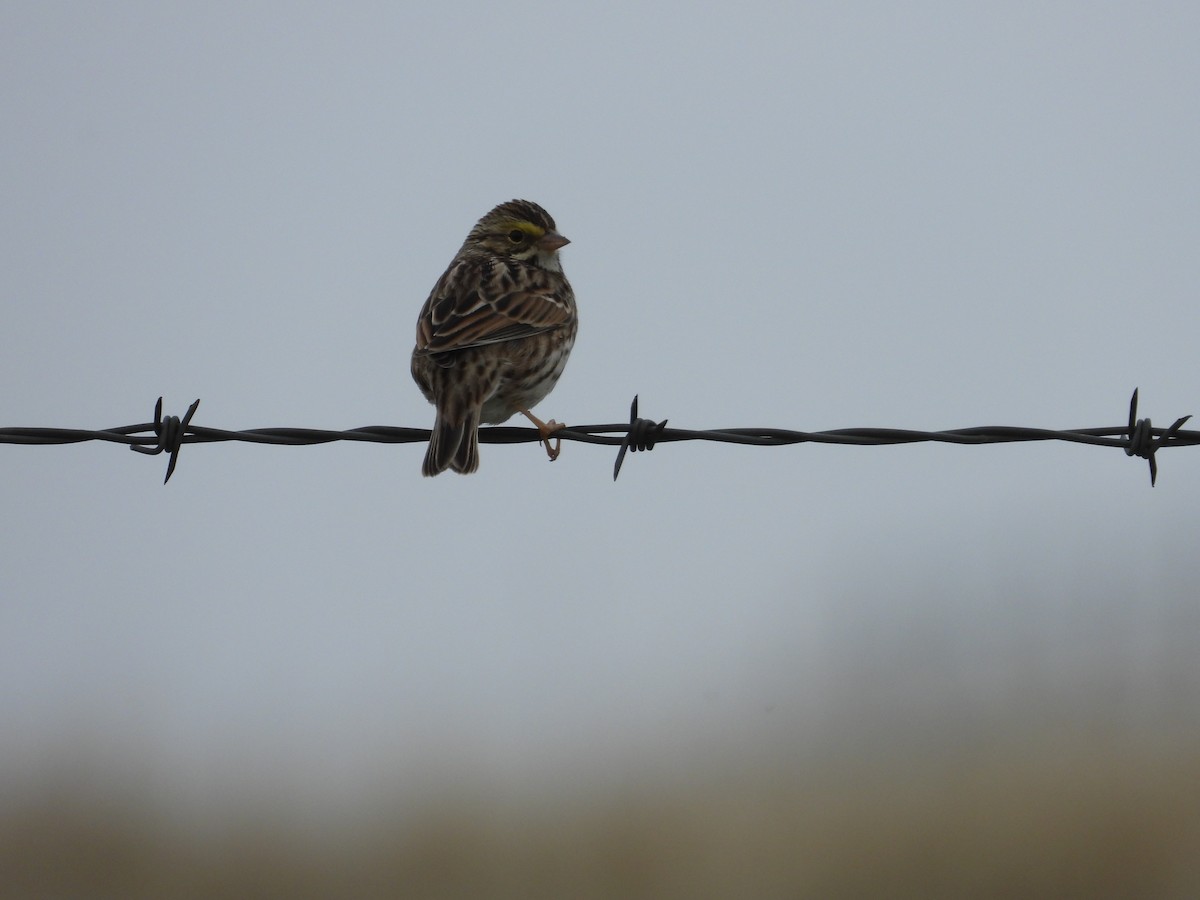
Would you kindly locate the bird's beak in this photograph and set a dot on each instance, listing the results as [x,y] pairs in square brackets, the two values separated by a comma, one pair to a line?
[551,241]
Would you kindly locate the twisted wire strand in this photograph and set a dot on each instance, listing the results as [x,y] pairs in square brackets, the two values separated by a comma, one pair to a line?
[1138,438]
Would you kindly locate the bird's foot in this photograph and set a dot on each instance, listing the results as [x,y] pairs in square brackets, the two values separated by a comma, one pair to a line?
[545,429]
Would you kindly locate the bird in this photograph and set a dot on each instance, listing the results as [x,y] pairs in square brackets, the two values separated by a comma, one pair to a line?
[494,334]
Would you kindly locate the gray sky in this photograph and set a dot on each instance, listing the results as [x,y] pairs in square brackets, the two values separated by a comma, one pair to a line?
[801,216]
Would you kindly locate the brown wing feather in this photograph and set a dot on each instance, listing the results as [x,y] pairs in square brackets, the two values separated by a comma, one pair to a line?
[478,301]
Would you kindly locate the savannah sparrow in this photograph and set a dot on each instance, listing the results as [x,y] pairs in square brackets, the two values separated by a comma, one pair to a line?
[495,333]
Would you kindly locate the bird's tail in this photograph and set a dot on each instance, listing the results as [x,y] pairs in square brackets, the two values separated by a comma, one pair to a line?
[453,445]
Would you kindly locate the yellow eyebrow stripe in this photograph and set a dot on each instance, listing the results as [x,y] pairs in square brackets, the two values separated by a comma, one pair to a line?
[527,227]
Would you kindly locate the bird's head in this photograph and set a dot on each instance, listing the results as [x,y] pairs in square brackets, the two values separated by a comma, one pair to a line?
[519,230]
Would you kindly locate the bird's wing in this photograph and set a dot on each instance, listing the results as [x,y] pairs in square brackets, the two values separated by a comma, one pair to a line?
[486,301]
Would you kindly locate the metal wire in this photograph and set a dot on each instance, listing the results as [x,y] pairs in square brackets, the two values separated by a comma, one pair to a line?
[1139,438]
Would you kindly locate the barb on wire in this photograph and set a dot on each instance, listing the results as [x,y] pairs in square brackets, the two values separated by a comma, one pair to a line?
[170,433]
[1139,438]
[641,435]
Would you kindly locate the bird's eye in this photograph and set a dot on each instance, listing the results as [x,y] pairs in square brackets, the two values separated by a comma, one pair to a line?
[516,235]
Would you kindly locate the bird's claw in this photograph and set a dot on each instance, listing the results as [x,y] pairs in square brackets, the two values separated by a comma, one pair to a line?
[545,429]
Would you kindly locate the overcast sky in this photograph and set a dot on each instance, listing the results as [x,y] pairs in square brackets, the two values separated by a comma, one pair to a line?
[809,216]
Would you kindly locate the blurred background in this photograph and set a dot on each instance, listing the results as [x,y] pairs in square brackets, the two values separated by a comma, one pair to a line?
[791,672]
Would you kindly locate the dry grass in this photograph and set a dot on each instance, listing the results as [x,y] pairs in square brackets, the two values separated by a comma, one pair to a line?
[1026,815]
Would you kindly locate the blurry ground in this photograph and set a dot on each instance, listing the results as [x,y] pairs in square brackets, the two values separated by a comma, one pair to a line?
[1050,800]
[1036,815]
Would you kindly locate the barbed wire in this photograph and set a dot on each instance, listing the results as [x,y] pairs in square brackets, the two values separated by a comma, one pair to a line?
[167,435]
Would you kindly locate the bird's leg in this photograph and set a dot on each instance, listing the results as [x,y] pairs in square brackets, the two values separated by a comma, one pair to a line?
[545,429]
